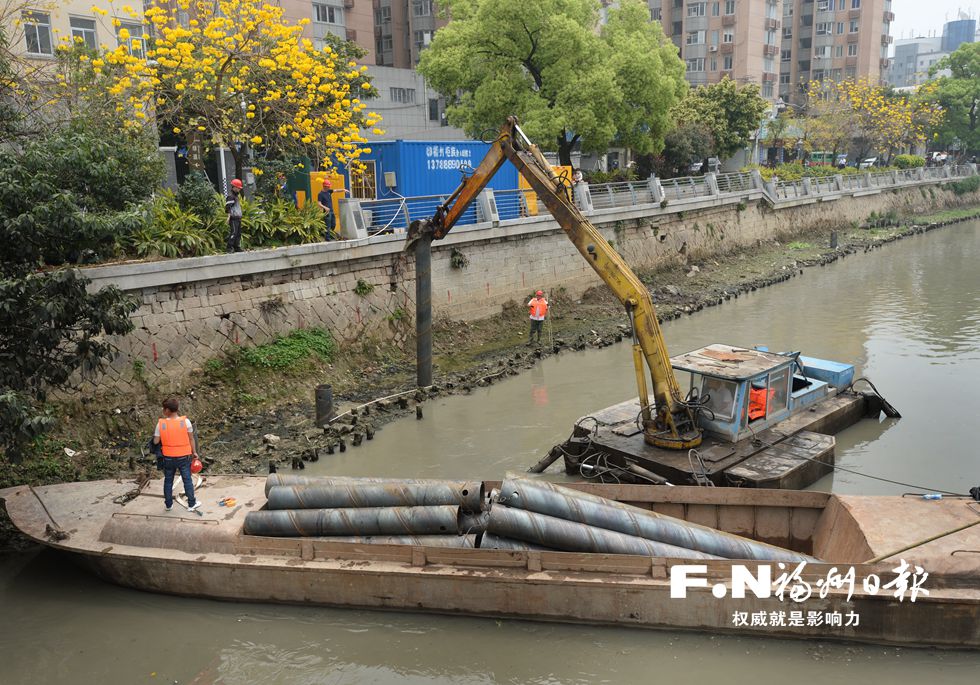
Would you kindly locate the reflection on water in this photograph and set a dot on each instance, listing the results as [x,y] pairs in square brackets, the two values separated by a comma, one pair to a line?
[908,315]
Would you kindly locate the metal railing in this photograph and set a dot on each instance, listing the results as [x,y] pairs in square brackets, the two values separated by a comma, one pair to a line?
[393,215]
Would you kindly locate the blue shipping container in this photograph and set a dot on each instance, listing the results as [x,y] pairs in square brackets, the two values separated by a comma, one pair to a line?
[424,167]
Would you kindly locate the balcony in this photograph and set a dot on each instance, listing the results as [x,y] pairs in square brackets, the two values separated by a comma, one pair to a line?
[850,61]
[771,50]
[349,4]
[889,17]
[853,37]
[887,40]
[728,20]
[772,24]
[768,76]
[854,14]
[727,48]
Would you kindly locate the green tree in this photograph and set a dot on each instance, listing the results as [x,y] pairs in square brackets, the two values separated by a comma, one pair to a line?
[959,95]
[649,74]
[545,61]
[64,198]
[731,112]
[688,142]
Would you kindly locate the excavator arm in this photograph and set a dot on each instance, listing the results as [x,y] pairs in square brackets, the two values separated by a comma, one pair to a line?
[670,423]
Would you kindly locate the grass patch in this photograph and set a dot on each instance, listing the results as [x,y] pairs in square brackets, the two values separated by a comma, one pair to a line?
[971,184]
[947,215]
[798,245]
[286,352]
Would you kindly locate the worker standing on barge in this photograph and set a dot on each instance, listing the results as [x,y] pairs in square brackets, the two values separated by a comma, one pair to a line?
[176,435]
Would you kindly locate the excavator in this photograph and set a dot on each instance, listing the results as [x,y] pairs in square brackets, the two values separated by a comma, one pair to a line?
[670,422]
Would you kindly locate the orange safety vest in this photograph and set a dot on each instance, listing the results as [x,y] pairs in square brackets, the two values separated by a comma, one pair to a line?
[757,402]
[175,439]
[538,307]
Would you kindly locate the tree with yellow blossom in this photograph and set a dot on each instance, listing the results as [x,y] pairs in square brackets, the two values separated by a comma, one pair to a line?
[232,73]
[870,116]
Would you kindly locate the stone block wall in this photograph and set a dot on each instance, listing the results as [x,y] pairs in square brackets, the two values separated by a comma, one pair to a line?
[193,310]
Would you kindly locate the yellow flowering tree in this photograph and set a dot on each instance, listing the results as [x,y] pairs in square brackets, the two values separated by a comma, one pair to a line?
[874,117]
[234,73]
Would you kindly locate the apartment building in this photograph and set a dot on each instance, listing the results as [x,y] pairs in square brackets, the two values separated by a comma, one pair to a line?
[779,44]
[832,39]
[41,30]
[738,39]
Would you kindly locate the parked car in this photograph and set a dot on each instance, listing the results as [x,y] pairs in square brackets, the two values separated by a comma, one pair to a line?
[868,163]
[698,166]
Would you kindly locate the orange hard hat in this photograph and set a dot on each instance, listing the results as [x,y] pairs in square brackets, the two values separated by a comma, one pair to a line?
[327,183]
[196,465]
[235,183]
[539,293]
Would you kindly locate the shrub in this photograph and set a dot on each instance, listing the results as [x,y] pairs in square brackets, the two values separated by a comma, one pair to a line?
[196,194]
[908,161]
[970,184]
[288,351]
[171,231]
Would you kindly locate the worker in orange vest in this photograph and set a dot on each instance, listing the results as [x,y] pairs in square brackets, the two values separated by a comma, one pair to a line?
[758,402]
[175,435]
[538,309]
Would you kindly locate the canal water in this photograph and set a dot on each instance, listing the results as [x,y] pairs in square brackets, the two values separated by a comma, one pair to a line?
[908,315]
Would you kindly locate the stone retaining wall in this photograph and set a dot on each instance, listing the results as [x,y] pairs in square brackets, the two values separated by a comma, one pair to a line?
[194,309]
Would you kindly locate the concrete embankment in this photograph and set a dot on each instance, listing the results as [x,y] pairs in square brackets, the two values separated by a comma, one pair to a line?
[193,310]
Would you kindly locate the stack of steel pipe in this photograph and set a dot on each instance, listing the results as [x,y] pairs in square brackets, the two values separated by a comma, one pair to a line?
[541,513]
[371,510]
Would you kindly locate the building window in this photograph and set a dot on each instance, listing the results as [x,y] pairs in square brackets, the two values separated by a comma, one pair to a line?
[835,74]
[135,40]
[768,65]
[825,5]
[695,38]
[787,32]
[787,9]
[855,4]
[433,109]
[770,37]
[821,51]
[387,43]
[382,16]
[728,37]
[785,55]
[818,74]
[767,89]
[402,95]
[422,8]
[422,39]
[825,28]
[676,28]
[715,9]
[83,31]
[839,51]
[37,31]
[328,14]
[852,50]
[656,14]
[840,27]
[850,72]
[784,79]
[697,9]
[714,38]
[729,6]
[696,64]
[714,64]
[727,62]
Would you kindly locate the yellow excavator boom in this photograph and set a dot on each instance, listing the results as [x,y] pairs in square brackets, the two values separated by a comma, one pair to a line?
[670,423]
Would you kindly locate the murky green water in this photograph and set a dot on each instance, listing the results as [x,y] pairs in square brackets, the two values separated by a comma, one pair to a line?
[908,315]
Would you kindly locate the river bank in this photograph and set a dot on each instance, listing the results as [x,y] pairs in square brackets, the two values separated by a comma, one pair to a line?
[249,416]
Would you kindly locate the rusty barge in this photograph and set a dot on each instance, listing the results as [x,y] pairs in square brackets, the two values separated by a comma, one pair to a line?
[893,539]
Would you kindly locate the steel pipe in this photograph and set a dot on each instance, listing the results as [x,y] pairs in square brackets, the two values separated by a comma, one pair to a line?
[564,503]
[569,536]
[369,521]
[468,498]
[491,541]
[473,522]
[467,541]
[348,494]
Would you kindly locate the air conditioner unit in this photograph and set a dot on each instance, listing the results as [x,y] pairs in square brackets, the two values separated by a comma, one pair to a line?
[712,48]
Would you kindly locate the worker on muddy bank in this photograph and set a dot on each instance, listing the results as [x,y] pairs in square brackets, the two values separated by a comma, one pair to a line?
[175,434]
[538,310]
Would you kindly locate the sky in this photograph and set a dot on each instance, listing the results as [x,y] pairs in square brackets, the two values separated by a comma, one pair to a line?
[928,16]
